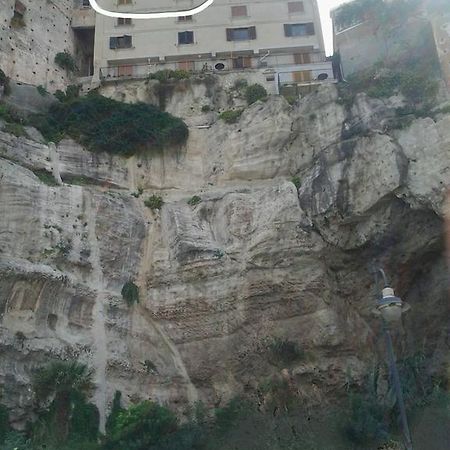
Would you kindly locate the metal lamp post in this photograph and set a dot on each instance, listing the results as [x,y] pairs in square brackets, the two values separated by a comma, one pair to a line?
[390,309]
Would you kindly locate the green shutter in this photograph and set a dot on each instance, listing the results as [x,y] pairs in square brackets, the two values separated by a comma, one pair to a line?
[310,28]
[229,34]
[252,32]
[112,42]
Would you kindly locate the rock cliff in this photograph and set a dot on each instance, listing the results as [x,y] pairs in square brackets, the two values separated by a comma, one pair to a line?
[255,258]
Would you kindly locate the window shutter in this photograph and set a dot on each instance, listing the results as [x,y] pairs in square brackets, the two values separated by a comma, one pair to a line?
[287,29]
[310,28]
[127,41]
[190,37]
[252,32]
[112,42]
[229,34]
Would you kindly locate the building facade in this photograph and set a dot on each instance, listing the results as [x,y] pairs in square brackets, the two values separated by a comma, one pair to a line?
[281,37]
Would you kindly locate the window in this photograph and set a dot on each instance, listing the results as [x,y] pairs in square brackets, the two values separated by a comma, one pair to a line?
[124,2]
[120,42]
[299,29]
[241,34]
[302,58]
[186,37]
[295,7]
[184,18]
[85,3]
[242,62]
[123,21]
[238,11]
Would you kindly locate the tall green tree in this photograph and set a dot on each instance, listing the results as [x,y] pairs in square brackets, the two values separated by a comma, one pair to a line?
[62,381]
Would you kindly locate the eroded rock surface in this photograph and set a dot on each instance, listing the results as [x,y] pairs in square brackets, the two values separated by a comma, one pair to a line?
[253,260]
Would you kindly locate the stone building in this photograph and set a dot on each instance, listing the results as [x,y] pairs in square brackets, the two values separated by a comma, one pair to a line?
[281,37]
[361,40]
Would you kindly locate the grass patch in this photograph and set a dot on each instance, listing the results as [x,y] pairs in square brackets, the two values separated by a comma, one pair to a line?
[103,124]
[296,181]
[231,116]
[154,202]
[42,91]
[169,75]
[46,177]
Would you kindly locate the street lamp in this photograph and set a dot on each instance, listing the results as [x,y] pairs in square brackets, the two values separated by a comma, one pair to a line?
[390,309]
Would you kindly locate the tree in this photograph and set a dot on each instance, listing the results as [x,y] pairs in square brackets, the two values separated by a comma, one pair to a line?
[62,381]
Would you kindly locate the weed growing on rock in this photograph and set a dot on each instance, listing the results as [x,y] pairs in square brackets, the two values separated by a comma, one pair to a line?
[154,202]
[42,91]
[46,177]
[195,200]
[296,181]
[16,129]
[231,116]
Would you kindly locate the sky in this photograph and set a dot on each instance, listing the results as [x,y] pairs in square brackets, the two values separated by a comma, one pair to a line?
[324,8]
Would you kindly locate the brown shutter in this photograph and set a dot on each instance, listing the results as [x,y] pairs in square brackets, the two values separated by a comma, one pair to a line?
[247,62]
[287,30]
[229,34]
[252,32]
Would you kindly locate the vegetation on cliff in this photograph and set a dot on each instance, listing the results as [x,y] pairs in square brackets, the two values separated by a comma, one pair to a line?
[274,417]
[103,124]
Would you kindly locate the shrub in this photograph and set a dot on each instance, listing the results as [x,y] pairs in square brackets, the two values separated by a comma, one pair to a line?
[66,61]
[14,440]
[154,202]
[195,200]
[206,108]
[41,89]
[167,75]
[296,181]
[140,427]
[130,293]
[240,83]
[46,177]
[116,409]
[16,129]
[4,422]
[72,92]
[103,124]
[231,116]
[285,351]
[254,93]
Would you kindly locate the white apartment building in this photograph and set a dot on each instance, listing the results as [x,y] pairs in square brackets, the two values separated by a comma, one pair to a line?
[281,37]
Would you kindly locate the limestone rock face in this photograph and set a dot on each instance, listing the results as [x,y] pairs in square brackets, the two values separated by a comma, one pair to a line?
[252,259]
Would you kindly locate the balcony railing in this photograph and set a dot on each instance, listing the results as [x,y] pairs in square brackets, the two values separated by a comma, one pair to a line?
[218,65]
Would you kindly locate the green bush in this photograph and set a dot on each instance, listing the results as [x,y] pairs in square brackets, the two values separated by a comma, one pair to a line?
[130,293]
[41,89]
[140,427]
[285,351]
[296,181]
[154,202]
[240,83]
[231,116]
[254,93]
[103,124]
[66,61]
[46,177]
[72,92]
[15,440]
[4,422]
[167,75]
[16,129]
[4,81]
[195,200]
[206,108]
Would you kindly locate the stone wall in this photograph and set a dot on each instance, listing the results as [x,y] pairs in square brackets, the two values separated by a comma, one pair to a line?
[27,52]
